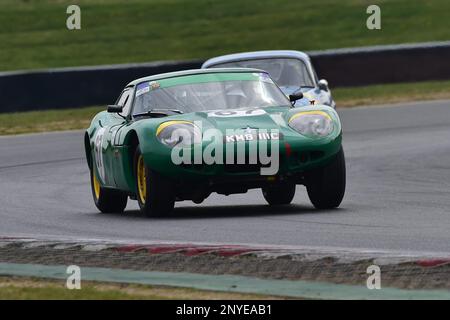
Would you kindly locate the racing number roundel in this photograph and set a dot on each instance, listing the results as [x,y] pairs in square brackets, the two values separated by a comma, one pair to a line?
[98,146]
[237,113]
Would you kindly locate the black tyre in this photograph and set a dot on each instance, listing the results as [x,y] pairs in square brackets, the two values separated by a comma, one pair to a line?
[154,193]
[279,194]
[107,200]
[326,186]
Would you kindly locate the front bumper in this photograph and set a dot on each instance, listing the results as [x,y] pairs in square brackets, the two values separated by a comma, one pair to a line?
[295,157]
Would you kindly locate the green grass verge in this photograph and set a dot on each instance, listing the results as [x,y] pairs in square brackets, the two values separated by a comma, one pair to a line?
[14,288]
[391,93]
[49,120]
[68,119]
[33,33]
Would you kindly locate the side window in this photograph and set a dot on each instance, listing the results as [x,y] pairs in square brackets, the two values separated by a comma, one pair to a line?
[125,101]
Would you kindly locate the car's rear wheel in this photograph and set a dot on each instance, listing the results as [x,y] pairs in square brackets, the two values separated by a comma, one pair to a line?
[280,193]
[326,186]
[154,193]
[107,200]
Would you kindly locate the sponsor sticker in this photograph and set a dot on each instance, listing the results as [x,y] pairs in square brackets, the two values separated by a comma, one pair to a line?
[142,88]
[147,87]
[154,85]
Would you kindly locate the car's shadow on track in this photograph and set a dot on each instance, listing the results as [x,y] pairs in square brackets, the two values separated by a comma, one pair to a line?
[227,211]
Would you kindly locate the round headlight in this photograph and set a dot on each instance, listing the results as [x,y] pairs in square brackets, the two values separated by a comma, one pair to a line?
[312,123]
[178,133]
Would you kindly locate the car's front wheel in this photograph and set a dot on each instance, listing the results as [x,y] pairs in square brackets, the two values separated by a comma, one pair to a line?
[154,193]
[326,186]
[279,194]
[107,200]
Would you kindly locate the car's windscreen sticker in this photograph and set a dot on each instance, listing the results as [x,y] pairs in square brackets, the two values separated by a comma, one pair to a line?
[145,87]
[142,88]
[154,85]
[204,78]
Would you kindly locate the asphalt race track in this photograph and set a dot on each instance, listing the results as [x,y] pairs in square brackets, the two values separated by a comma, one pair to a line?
[398,194]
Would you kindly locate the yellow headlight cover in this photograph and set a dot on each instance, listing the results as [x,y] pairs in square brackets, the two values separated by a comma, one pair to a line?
[314,112]
[166,124]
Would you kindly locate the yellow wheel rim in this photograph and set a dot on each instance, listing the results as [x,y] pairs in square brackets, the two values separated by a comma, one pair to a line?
[96,185]
[141,179]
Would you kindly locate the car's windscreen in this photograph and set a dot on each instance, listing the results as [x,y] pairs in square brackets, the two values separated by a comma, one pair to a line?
[286,72]
[206,92]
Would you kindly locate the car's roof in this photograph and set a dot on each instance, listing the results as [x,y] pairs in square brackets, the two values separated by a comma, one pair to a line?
[192,72]
[256,55]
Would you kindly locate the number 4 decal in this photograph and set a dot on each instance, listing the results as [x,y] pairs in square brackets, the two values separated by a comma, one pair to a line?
[98,146]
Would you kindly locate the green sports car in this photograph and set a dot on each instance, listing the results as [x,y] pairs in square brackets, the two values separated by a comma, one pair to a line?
[183,135]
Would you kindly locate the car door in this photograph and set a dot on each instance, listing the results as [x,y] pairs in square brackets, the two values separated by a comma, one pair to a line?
[112,133]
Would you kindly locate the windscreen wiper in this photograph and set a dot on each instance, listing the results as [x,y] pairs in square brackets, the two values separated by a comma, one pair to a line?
[157,113]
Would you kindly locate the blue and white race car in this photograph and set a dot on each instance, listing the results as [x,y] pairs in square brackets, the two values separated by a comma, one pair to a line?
[291,70]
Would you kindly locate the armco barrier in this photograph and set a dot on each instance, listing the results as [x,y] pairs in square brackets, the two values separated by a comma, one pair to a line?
[100,85]
[383,64]
[75,87]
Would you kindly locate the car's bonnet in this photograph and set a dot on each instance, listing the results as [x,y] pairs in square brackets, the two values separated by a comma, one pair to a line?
[263,118]
[243,118]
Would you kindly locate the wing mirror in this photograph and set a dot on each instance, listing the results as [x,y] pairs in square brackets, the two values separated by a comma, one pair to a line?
[323,85]
[295,96]
[113,108]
